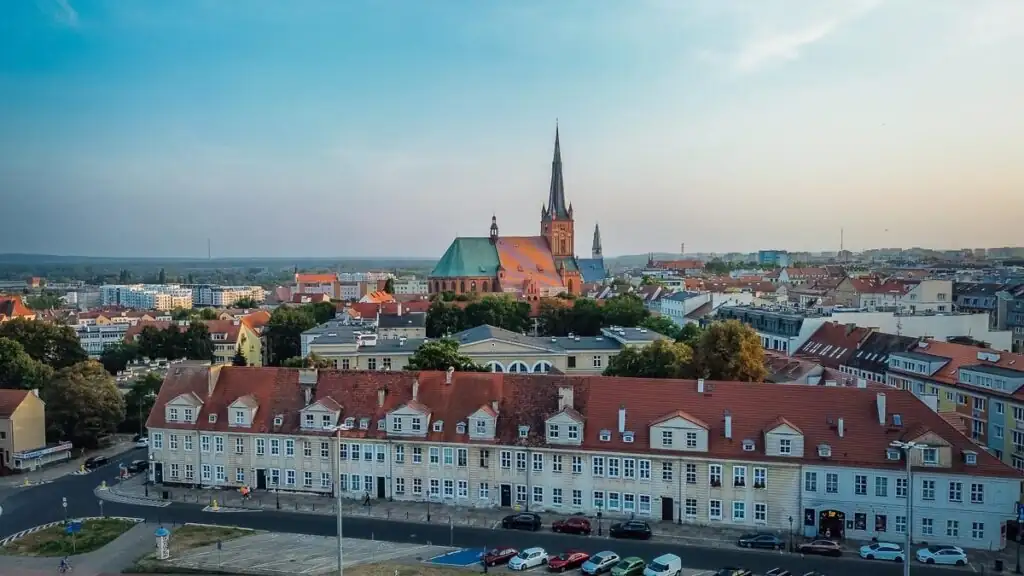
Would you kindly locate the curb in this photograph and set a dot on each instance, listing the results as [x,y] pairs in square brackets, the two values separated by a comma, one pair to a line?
[34,529]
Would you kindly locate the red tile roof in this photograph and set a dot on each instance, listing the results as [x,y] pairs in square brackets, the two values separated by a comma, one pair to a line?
[379,297]
[302,278]
[231,328]
[10,400]
[529,399]
[962,356]
[527,258]
[874,285]
[13,307]
[833,344]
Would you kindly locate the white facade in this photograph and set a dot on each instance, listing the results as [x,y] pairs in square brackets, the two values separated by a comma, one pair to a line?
[146,296]
[226,296]
[411,286]
[677,309]
[94,339]
[351,290]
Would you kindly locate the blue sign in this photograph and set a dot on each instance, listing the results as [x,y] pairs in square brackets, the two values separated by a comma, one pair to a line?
[73,528]
[1020,512]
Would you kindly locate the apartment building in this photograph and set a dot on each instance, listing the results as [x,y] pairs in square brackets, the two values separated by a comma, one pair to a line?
[710,453]
[146,296]
[411,285]
[317,284]
[225,296]
[238,335]
[23,432]
[1010,314]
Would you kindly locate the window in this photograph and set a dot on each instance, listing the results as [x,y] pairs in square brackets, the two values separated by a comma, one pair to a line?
[785,446]
[188,443]
[371,363]
[325,479]
[552,431]
[556,463]
[715,475]
[901,525]
[435,455]
[690,509]
[275,477]
[307,479]
[206,471]
[901,487]
[175,470]
[577,464]
[977,494]
[240,475]
[172,414]
[691,440]
[597,466]
[484,491]
[613,501]
[481,426]
[485,458]
[928,490]
[520,494]
[399,485]
[691,473]
[832,482]
[289,477]
[927,526]
[613,467]
[573,432]
[240,417]
[956,491]
[261,446]
[556,497]
[399,454]
[666,438]
[417,455]
[760,513]
[326,420]
[598,499]
[930,456]
[538,495]
[417,424]
[629,503]
[810,481]
[325,450]
[275,447]
[978,530]
[417,486]
[239,445]
[645,469]
[597,361]
[881,486]
[435,488]
[309,421]
[174,441]
[760,477]
[449,488]
[449,456]
[307,449]
[521,461]
[204,443]
[158,441]
[739,511]
[952,528]
[577,498]
[666,472]
[538,462]
[739,475]
[368,452]
[628,468]
[289,447]
[714,509]
[506,459]
[860,485]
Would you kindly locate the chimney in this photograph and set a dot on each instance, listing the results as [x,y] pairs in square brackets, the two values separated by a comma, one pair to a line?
[622,418]
[309,394]
[213,372]
[415,389]
[565,397]
[494,406]
[880,405]
[850,328]
[728,425]
[35,391]
[862,383]
[700,385]
[448,375]
[381,395]
[840,427]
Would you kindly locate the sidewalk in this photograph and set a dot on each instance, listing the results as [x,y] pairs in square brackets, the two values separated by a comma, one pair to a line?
[73,466]
[111,559]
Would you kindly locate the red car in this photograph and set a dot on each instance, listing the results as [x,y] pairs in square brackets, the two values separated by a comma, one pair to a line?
[567,561]
[499,556]
[574,525]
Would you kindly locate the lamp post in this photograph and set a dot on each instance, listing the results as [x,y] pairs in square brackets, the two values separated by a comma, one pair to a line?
[337,491]
[790,533]
[908,448]
[64,504]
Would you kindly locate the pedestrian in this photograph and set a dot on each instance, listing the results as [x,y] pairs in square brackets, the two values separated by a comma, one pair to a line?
[366,499]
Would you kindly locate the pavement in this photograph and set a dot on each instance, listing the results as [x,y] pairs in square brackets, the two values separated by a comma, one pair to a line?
[111,559]
[73,466]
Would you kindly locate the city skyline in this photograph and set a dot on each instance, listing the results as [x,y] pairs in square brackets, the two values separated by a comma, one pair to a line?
[354,129]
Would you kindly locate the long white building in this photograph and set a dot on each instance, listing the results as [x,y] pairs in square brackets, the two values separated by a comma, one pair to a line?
[146,296]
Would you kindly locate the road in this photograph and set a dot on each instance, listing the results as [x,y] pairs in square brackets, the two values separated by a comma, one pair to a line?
[24,508]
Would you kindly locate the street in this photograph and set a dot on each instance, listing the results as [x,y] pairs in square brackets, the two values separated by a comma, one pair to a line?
[25,508]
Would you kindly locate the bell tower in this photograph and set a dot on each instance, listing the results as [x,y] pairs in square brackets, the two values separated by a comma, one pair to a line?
[556,223]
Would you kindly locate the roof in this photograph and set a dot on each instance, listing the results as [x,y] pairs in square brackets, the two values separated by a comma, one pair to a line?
[468,257]
[833,343]
[410,320]
[302,278]
[256,320]
[976,289]
[378,297]
[678,264]
[873,353]
[13,307]
[873,285]
[526,258]
[231,328]
[959,356]
[528,400]
[10,400]
[592,269]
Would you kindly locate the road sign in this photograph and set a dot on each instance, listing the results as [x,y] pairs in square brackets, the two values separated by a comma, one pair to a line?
[64,502]
[73,528]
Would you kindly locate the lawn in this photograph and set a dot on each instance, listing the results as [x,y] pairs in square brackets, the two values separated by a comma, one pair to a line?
[193,536]
[406,570]
[53,541]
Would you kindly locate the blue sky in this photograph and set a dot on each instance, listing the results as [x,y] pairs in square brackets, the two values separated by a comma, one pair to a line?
[385,127]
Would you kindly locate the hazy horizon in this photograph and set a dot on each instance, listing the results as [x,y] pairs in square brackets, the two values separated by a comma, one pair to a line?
[140,129]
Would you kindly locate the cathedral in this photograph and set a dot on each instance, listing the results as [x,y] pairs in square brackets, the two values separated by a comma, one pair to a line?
[526,266]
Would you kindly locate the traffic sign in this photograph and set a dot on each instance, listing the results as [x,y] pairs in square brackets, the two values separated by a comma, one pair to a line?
[73,527]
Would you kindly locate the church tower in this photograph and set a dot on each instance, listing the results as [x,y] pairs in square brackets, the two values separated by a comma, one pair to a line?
[596,249]
[556,223]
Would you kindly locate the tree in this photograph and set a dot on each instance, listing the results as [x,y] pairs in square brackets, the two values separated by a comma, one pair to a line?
[246,303]
[150,342]
[44,301]
[717,267]
[440,355]
[444,318]
[586,317]
[500,311]
[82,404]
[322,311]
[624,310]
[239,359]
[284,330]
[650,281]
[139,402]
[195,342]
[690,334]
[389,285]
[116,358]
[730,351]
[660,359]
[554,318]
[18,370]
[54,345]
[662,325]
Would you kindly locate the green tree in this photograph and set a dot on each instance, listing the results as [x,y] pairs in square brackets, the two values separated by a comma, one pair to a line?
[54,345]
[389,285]
[440,355]
[322,311]
[116,358]
[18,370]
[139,402]
[181,314]
[44,301]
[203,314]
[624,310]
[554,318]
[690,334]
[586,317]
[662,325]
[650,281]
[500,311]
[444,318]
[150,342]
[82,404]
[195,343]
[246,303]
[660,359]
[239,359]
[717,267]
[284,330]
[730,351]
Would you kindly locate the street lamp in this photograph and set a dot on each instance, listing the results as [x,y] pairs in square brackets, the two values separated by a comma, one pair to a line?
[337,490]
[907,448]
[790,533]
[64,504]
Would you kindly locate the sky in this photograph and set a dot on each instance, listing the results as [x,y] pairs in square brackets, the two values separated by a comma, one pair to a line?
[386,127]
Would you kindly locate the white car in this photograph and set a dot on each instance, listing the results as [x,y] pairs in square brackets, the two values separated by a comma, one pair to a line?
[528,558]
[882,551]
[953,555]
[142,442]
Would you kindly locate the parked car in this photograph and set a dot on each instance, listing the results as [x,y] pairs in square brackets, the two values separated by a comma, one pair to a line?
[821,548]
[883,551]
[142,442]
[574,525]
[137,466]
[665,565]
[953,555]
[733,571]
[600,563]
[529,558]
[522,521]
[498,556]
[813,573]
[567,561]
[778,572]
[94,462]
[637,529]
[764,541]
[631,566]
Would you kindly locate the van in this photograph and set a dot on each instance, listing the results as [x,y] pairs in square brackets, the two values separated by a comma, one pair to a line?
[664,565]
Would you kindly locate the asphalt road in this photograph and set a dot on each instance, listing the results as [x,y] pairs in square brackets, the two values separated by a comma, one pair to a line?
[27,507]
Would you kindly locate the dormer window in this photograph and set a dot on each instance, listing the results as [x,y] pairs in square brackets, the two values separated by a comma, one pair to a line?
[824,451]
[524,431]
[573,432]
[460,428]
[970,458]
[326,420]
[309,421]
[481,426]
[930,456]
[212,418]
[350,422]
[172,414]
[553,431]
[892,454]
[278,420]
[240,417]
[396,424]
[627,437]
[439,426]
[749,445]
[605,436]
[188,414]
[381,424]
[364,423]
[417,424]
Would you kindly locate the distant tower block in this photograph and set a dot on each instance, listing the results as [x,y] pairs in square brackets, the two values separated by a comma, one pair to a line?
[682,249]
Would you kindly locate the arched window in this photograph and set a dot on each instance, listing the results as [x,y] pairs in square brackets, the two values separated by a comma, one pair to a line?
[568,286]
[437,286]
[519,367]
[483,286]
[542,367]
[462,287]
[472,285]
[495,366]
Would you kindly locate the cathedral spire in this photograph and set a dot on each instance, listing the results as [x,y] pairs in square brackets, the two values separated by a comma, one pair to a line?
[596,250]
[556,208]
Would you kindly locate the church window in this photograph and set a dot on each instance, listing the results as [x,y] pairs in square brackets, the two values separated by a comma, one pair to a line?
[437,286]
[462,287]
[483,286]
[472,286]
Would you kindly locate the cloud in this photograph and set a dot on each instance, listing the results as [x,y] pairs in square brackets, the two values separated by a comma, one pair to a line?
[61,11]
[785,46]
[996,21]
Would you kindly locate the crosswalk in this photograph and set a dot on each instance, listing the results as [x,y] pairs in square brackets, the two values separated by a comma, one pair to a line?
[133,500]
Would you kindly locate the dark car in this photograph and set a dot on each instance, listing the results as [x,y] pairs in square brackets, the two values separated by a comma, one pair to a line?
[632,529]
[137,466]
[94,462]
[567,561]
[763,541]
[497,556]
[574,525]
[522,521]
[821,548]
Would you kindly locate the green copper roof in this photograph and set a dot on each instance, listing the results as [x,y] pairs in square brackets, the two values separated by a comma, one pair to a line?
[569,261]
[468,257]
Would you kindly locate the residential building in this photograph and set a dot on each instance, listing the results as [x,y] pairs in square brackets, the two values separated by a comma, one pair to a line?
[12,307]
[317,284]
[411,285]
[1010,314]
[690,307]
[800,276]
[120,316]
[778,258]
[146,296]
[871,359]
[229,336]
[738,455]
[226,296]
[23,432]
[978,297]
[683,267]
[833,344]
[394,326]
[96,338]
[914,296]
